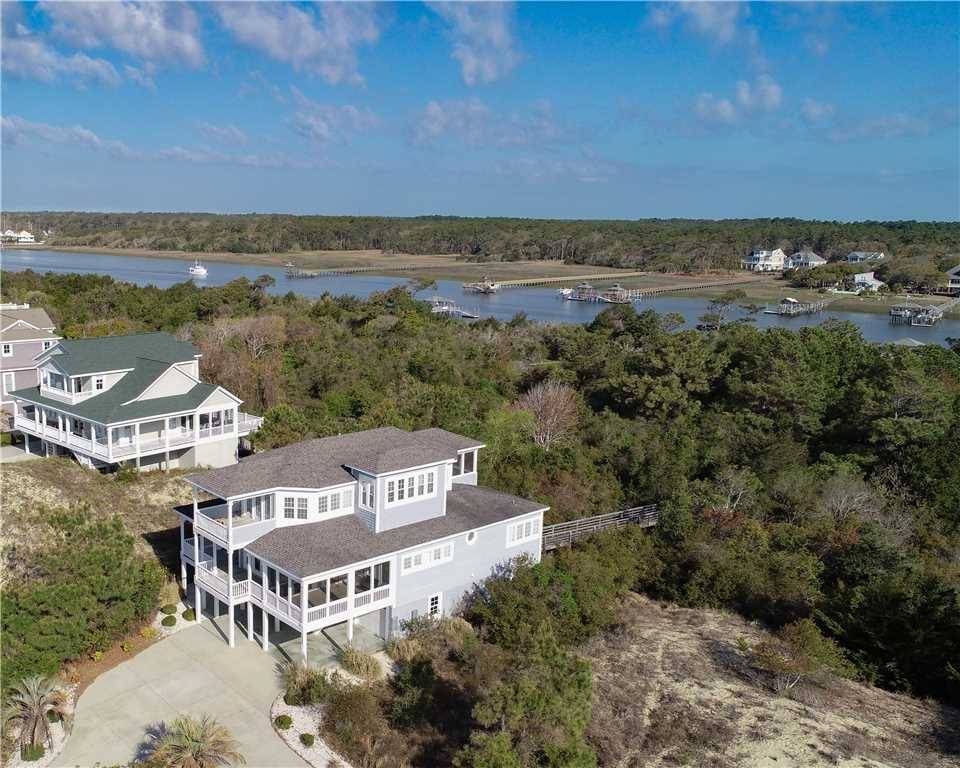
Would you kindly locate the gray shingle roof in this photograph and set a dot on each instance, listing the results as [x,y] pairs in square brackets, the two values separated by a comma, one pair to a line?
[305,550]
[78,357]
[449,440]
[20,334]
[324,462]
[34,315]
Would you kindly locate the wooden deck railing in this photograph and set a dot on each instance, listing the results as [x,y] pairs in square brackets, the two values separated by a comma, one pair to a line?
[564,534]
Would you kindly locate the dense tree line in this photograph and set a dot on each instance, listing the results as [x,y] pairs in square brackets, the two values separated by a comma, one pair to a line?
[668,244]
[802,474]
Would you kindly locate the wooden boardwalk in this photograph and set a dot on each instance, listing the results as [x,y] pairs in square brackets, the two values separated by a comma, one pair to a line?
[565,534]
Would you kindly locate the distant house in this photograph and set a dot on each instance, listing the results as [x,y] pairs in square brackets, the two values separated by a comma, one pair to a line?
[865,281]
[134,399]
[764,261]
[804,259]
[953,276]
[859,257]
[25,237]
[9,236]
[25,333]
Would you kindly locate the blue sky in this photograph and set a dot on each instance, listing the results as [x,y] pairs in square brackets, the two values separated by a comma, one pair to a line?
[569,110]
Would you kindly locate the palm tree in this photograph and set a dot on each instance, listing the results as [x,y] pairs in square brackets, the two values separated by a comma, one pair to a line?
[31,701]
[191,743]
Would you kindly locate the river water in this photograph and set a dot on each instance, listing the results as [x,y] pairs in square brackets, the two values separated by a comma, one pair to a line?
[538,303]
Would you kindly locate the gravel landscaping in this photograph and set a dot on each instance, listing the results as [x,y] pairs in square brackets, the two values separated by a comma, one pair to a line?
[305,720]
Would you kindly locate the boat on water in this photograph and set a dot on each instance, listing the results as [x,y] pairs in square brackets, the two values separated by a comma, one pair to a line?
[583,292]
[616,294]
[449,308]
[197,270]
[484,286]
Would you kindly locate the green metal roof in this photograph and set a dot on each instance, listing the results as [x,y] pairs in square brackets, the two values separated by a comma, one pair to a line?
[109,407]
[79,357]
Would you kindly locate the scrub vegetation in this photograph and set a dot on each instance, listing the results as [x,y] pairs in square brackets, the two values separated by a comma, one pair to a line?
[665,244]
[808,481]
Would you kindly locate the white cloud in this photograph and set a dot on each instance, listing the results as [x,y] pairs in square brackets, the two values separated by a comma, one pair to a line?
[814,111]
[16,130]
[719,22]
[324,123]
[765,94]
[483,38]
[473,123]
[150,31]
[142,76]
[535,170]
[227,134]
[31,57]
[711,109]
[324,44]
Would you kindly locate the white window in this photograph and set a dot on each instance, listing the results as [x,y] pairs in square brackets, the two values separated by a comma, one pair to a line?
[47,345]
[8,383]
[419,485]
[347,498]
[288,507]
[7,350]
[435,604]
[323,505]
[458,465]
[366,495]
[98,383]
[524,531]
[469,464]
[427,558]
[302,508]
[334,501]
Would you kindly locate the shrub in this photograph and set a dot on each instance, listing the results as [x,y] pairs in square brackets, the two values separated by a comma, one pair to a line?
[798,653]
[360,663]
[303,684]
[404,649]
[169,621]
[127,473]
[354,717]
[90,589]
[189,615]
[126,646]
[455,630]
[414,686]
[307,739]
[149,633]
[283,722]
[32,752]
[96,656]
[169,609]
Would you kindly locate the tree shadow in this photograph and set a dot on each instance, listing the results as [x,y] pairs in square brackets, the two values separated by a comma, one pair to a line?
[166,546]
[154,734]
[946,731]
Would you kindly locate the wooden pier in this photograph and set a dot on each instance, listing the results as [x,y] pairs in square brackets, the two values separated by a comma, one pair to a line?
[565,534]
[923,316]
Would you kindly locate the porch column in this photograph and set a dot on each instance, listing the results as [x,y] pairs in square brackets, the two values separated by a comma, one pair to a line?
[196,559]
[230,632]
[136,440]
[69,432]
[263,610]
[166,443]
[183,565]
[109,442]
[276,591]
[350,590]
[249,598]
[26,443]
[303,620]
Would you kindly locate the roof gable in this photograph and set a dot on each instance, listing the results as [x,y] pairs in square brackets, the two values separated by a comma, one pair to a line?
[79,357]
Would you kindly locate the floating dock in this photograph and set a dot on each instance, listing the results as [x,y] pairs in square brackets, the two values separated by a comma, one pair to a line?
[450,308]
[923,316]
[484,286]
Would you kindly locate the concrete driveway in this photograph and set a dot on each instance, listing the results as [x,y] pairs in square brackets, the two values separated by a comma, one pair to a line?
[192,672]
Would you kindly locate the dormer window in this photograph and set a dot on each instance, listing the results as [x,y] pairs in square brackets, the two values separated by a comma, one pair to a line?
[417,485]
[98,384]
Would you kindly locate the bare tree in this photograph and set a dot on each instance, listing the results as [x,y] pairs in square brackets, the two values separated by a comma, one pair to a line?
[554,408]
[846,495]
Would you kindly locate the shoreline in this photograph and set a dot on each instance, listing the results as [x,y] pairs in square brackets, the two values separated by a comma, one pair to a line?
[448,267]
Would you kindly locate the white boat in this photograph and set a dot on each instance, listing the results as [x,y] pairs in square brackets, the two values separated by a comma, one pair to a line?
[197,270]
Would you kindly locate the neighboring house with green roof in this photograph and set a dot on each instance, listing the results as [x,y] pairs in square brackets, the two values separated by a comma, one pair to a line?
[134,399]
[25,332]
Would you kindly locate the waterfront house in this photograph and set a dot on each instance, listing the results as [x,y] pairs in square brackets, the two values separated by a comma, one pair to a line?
[134,399]
[25,237]
[859,257]
[25,333]
[804,259]
[369,529]
[953,279]
[764,261]
[865,281]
